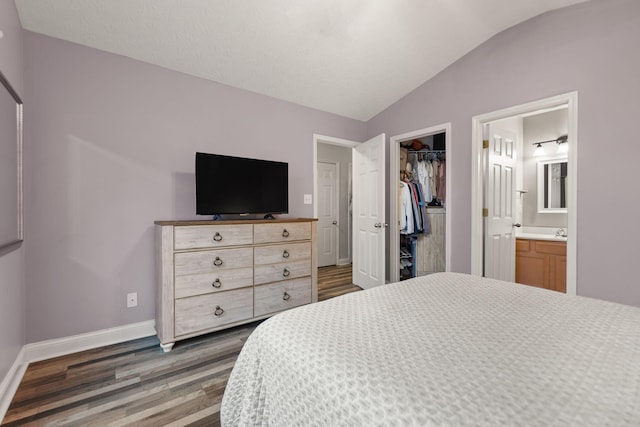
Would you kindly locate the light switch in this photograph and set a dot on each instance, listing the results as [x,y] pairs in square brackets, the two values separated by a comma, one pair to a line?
[308,199]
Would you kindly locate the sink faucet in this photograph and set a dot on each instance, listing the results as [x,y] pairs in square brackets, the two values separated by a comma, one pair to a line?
[561,232]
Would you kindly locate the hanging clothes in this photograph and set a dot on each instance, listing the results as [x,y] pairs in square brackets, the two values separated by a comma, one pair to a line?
[406,210]
[423,179]
[433,178]
[415,204]
[426,225]
[442,174]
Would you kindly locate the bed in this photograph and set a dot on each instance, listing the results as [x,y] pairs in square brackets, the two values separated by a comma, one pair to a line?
[445,349]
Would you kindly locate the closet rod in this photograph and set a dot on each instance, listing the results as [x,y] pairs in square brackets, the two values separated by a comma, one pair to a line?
[426,151]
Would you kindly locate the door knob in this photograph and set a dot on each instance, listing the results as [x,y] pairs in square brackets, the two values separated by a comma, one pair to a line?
[377,225]
[517,224]
[335,223]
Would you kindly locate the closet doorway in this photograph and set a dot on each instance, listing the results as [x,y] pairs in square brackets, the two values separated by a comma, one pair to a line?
[412,252]
[491,256]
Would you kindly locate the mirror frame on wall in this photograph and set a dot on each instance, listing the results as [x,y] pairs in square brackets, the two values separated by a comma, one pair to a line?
[542,190]
[11,219]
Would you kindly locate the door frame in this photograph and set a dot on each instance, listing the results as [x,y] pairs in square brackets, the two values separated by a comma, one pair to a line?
[346,143]
[336,201]
[477,183]
[394,173]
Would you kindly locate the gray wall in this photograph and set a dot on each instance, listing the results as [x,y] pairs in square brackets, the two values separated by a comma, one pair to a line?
[12,264]
[541,127]
[111,149]
[335,154]
[590,47]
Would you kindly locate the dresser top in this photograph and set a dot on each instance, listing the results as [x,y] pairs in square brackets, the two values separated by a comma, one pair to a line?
[235,221]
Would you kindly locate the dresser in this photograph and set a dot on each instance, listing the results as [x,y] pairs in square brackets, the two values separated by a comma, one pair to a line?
[213,275]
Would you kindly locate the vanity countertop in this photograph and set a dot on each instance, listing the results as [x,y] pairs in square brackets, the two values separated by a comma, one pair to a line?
[541,236]
[541,233]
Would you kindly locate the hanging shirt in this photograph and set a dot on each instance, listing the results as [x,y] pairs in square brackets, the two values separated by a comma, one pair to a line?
[429,184]
[441,182]
[433,178]
[417,216]
[406,211]
[423,179]
[426,225]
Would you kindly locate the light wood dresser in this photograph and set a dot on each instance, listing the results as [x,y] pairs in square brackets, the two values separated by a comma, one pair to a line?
[213,275]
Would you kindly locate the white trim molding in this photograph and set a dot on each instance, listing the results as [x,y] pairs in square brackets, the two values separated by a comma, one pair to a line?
[11,381]
[62,346]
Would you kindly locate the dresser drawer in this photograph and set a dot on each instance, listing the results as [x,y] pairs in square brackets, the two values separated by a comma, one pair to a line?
[282,253]
[223,280]
[281,296]
[211,236]
[212,261]
[281,232]
[281,271]
[212,310]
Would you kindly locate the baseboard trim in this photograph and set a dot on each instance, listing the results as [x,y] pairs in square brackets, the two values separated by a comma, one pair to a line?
[344,261]
[11,382]
[62,346]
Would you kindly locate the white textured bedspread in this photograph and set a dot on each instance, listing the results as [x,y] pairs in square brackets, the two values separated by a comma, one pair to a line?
[446,349]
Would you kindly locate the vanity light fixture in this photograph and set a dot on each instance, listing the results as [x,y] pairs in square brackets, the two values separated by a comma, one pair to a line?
[539,151]
[563,147]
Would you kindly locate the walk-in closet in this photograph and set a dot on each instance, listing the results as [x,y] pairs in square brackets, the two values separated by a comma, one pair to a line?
[422,206]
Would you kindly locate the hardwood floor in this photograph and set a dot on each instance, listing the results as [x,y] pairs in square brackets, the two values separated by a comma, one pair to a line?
[334,281]
[135,383]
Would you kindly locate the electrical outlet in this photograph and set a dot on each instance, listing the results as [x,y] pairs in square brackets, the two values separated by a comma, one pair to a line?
[132,299]
[308,199]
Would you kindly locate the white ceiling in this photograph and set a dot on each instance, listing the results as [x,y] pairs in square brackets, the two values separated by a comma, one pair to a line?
[349,57]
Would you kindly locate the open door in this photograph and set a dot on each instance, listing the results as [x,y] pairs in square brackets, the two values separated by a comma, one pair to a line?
[500,204]
[369,221]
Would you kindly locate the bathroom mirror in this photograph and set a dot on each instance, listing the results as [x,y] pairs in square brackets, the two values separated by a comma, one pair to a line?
[10,167]
[552,186]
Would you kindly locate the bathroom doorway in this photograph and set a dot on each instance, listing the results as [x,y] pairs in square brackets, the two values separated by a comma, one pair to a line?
[509,214]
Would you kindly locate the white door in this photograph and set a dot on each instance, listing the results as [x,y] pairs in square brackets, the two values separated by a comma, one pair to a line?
[327,214]
[500,240]
[368,213]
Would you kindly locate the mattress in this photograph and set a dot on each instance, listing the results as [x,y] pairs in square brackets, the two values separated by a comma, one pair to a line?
[445,349]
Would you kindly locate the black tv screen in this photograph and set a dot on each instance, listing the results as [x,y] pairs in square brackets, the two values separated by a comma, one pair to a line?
[237,185]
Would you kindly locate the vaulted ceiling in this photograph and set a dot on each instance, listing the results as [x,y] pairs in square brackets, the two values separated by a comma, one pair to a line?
[353,58]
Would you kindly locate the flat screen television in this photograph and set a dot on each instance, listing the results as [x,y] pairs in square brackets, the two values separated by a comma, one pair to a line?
[238,185]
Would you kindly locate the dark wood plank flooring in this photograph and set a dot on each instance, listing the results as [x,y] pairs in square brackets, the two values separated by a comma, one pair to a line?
[334,281]
[135,383]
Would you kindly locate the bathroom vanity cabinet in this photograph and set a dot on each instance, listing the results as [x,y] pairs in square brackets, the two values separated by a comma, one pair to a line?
[542,263]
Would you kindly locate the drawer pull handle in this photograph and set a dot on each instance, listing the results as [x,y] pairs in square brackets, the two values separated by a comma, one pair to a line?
[286,296]
[285,233]
[286,272]
[218,311]
[216,283]
[217,262]
[217,237]
[285,254]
